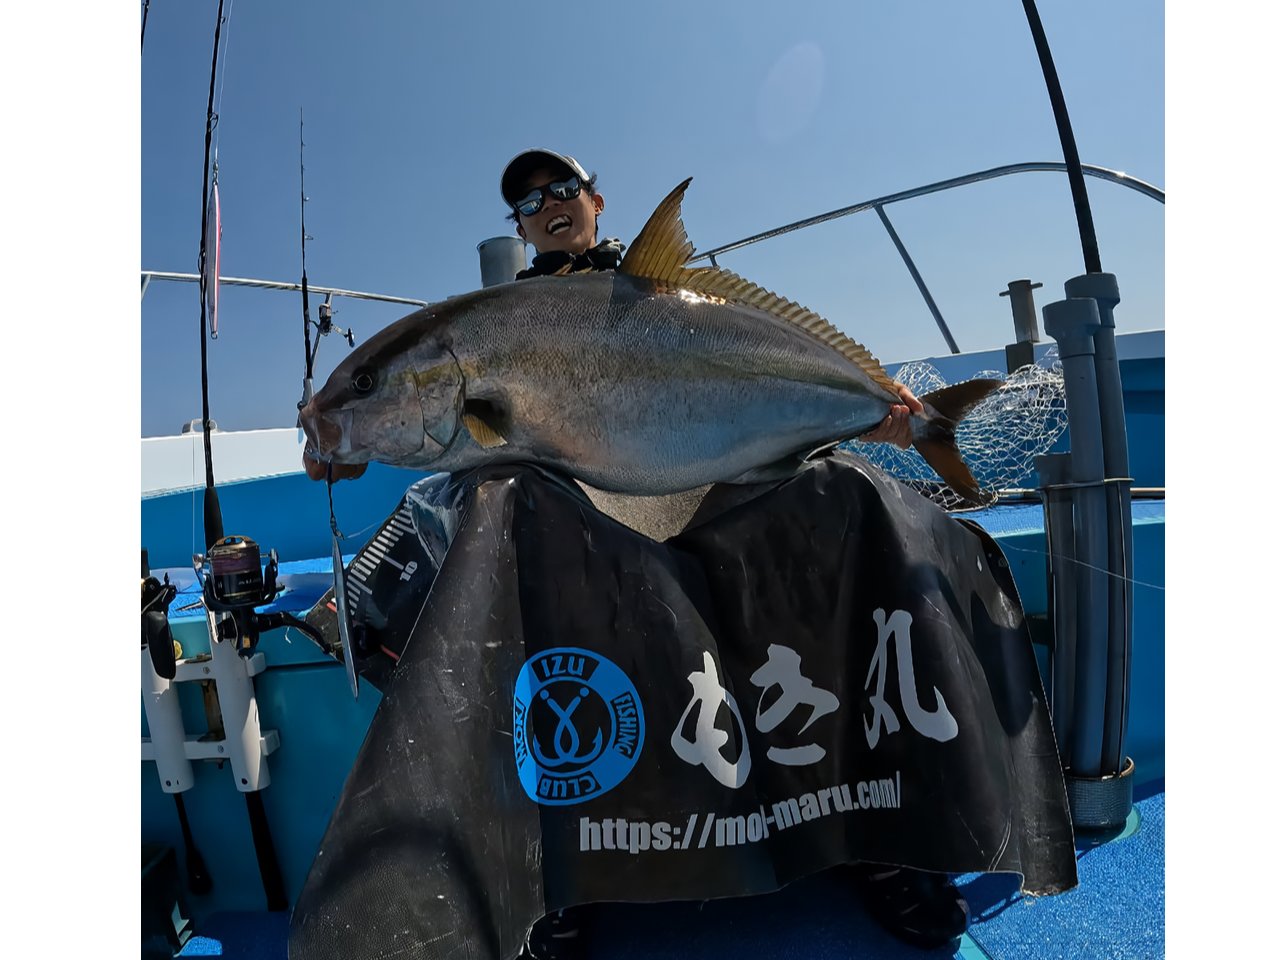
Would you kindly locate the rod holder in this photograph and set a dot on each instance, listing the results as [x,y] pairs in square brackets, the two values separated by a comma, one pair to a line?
[1072,323]
[1103,289]
[244,742]
[1101,803]
[1054,471]
[1091,662]
[167,743]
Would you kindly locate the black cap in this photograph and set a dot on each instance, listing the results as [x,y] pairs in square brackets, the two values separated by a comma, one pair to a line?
[523,164]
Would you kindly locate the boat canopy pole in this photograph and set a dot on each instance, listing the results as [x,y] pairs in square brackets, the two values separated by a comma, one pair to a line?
[920,285]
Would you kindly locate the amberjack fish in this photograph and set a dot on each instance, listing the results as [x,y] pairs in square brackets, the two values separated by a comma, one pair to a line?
[652,379]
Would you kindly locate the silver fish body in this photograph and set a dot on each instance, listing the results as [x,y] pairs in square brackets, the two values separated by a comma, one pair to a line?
[621,382]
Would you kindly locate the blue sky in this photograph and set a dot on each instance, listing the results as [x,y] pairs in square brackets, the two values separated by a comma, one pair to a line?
[777,111]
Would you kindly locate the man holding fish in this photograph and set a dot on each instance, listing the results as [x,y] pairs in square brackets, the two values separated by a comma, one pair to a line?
[640,376]
[556,207]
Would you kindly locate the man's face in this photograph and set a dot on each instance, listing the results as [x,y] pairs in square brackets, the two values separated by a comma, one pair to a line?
[568,225]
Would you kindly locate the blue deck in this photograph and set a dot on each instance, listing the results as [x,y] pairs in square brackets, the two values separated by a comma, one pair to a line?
[1117,911]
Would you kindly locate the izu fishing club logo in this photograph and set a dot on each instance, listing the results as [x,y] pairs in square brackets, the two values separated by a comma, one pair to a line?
[578,726]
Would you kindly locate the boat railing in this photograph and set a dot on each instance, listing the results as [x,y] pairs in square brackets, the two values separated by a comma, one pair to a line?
[149,275]
[878,204]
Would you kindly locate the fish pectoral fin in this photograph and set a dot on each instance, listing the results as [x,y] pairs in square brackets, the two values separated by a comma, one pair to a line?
[484,423]
[661,251]
[482,433]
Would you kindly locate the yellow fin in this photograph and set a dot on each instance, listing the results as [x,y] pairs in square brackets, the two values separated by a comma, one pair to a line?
[662,249]
[482,433]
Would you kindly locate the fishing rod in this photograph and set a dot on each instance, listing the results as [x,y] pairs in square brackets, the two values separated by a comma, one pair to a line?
[323,328]
[307,356]
[212,510]
[230,558]
[325,325]
[1075,172]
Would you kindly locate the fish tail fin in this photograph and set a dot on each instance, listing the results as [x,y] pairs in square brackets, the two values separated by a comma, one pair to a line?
[935,436]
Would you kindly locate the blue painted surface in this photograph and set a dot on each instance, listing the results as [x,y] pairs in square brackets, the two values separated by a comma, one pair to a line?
[1019,529]
[289,513]
[241,936]
[321,730]
[1142,381]
[1117,911]
[304,695]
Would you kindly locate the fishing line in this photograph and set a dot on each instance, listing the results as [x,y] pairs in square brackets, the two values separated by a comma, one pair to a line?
[328,482]
[1066,559]
[226,46]
[363,530]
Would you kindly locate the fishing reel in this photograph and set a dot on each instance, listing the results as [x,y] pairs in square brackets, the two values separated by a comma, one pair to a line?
[326,325]
[235,583]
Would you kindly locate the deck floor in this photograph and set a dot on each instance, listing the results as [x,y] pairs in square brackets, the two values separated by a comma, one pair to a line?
[1116,912]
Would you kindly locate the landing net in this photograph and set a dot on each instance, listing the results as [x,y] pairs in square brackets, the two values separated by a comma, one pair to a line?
[999,439]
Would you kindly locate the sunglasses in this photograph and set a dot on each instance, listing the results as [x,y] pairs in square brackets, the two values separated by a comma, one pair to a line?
[561,190]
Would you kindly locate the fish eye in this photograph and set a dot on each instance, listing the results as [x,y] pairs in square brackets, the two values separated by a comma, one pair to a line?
[362,381]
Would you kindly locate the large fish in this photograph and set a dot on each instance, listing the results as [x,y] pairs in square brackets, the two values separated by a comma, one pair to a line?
[652,379]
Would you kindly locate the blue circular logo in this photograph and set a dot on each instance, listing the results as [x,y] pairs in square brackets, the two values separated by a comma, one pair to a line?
[577,725]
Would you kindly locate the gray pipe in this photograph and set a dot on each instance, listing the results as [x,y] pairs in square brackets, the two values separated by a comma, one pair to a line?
[1060,570]
[1073,323]
[1102,288]
[501,258]
[1023,302]
[1022,351]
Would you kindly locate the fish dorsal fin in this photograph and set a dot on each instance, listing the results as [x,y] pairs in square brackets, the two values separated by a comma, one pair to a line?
[662,249]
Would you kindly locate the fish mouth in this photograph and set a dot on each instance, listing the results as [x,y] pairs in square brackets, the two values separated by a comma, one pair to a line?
[329,434]
[559,224]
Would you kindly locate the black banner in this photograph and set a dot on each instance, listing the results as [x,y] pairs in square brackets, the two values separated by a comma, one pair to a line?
[826,671]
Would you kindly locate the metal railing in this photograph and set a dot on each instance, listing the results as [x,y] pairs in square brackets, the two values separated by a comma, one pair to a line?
[878,204]
[149,275]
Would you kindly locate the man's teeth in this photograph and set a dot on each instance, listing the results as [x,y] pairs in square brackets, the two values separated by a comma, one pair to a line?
[559,224]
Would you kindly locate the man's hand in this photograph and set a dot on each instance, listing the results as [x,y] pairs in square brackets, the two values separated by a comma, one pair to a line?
[896,427]
[341,471]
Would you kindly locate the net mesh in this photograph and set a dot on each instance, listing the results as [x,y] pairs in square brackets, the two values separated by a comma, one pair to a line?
[999,439]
